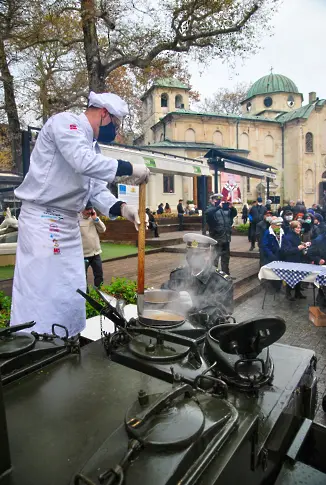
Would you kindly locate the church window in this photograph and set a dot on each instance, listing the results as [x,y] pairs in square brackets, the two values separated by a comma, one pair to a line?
[244,141]
[168,184]
[268,102]
[290,101]
[164,100]
[309,143]
[248,106]
[161,137]
[248,184]
[309,181]
[269,145]
[218,138]
[190,135]
[178,101]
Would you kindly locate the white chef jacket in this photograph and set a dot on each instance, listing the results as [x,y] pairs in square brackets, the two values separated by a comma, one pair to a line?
[65,170]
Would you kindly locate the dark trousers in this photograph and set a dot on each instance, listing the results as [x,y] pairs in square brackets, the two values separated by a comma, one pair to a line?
[245,220]
[253,234]
[96,264]
[180,217]
[153,226]
[222,250]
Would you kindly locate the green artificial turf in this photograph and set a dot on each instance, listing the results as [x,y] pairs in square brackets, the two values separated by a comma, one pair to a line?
[6,272]
[109,251]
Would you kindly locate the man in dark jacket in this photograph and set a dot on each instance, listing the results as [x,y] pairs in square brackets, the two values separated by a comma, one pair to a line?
[287,218]
[299,208]
[180,211]
[257,214]
[260,230]
[220,220]
[319,226]
[210,290]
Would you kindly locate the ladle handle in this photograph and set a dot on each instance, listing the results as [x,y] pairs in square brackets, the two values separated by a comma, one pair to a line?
[141,239]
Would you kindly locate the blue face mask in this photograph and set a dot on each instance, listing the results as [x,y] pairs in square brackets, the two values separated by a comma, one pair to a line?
[107,133]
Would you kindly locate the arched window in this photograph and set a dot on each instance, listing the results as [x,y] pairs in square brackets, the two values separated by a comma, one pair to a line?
[309,142]
[164,100]
[244,141]
[269,145]
[161,137]
[190,135]
[178,101]
[218,138]
[309,181]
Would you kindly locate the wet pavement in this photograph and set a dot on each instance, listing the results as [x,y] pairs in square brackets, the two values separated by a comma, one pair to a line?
[300,332]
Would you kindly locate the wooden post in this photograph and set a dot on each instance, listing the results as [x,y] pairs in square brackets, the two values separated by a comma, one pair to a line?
[141,248]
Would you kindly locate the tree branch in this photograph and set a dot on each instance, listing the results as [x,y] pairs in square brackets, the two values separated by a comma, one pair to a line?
[49,41]
[181,43]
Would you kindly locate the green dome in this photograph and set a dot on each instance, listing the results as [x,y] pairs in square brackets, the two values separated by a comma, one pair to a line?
[273,83]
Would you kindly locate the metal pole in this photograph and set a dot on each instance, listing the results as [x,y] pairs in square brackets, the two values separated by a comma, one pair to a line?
[5,462]
[216,179]
[204,201]
[267,196]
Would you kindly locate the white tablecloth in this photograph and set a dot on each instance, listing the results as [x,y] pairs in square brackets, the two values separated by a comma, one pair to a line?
[292,272]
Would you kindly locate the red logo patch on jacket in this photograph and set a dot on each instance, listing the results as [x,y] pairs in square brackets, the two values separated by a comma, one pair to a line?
[73,127]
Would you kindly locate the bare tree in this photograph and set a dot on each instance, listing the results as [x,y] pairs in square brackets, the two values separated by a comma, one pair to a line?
[11,13]
[226,100]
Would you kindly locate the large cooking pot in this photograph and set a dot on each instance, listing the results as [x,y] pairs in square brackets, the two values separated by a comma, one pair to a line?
[158,299]
[160,318]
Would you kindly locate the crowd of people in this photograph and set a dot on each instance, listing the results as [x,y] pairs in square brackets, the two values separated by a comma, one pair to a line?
[293,233]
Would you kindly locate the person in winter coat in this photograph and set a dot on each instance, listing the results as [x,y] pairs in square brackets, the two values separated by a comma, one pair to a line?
[160,208]
[167,208]
[90,228]
[271,246]
[152,224]
[219,220]
[272,241]
[299,208]
[260,230]
[245,213]
[292,250]
[257,213]
[287,217]
[319,226]
[317,255]
[306,227]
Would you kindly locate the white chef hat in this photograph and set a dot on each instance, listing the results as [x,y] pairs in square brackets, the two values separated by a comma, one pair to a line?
[111,102]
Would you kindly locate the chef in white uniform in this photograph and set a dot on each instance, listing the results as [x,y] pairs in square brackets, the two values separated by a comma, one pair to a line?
[66,170]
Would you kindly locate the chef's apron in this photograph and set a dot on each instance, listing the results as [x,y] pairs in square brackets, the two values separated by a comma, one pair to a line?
[49,269]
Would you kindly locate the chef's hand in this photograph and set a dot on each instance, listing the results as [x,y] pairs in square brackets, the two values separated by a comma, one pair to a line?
[140,174]
[130,212]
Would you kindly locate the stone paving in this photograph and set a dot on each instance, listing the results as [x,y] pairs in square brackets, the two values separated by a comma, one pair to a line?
[300,331]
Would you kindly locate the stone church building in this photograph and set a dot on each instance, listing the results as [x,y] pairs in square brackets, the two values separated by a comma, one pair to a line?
[276,128]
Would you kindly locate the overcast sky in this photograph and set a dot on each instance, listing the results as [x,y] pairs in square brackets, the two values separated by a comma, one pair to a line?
[296,50]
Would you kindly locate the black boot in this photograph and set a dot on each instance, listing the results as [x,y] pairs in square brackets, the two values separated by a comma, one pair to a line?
[288,294]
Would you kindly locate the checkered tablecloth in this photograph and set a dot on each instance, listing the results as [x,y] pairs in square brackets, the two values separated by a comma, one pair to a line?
[293,273]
